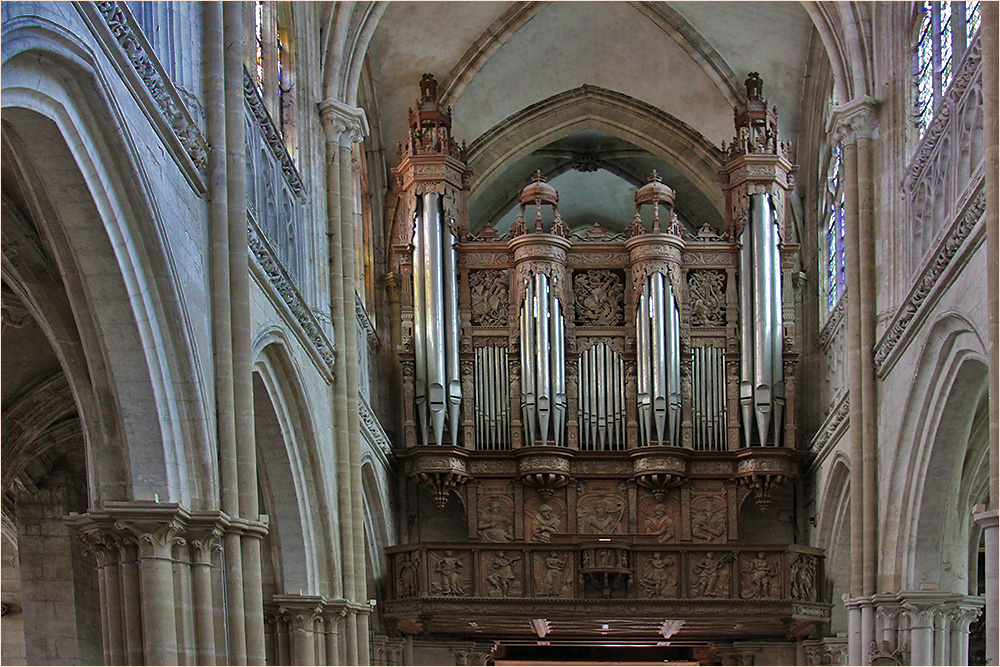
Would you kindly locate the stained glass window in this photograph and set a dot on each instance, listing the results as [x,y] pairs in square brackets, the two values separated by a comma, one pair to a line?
[835,278]
[945,29]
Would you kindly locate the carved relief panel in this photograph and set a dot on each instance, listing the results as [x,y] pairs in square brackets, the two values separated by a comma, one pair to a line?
[707,297]
[495,503]
[408,575]
[708,518]
[599,297]
[489,298]
[502,573]
[660,519]
[554,573]
[709,574]
[802,577]
[544,517]
[657,575]
[601,507]
[759,575]
[450,572]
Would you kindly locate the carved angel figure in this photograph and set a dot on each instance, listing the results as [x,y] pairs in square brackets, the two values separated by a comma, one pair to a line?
[489,297]
[707,297]
[660,576]
[599,296]
[449,570]
[554,575]
[709,574]
[759,577]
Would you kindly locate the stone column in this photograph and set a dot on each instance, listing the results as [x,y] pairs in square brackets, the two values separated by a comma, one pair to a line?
[921,634]
[202,547]
[131,611]
[960,619]
[991,142]
[332,613]
[988,522]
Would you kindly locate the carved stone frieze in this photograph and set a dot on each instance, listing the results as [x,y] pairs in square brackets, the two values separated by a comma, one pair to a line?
[707,298]
[482,467]
[159,87]
[600,298]
[486,259]
[489,297]
[924,285]
[271,134]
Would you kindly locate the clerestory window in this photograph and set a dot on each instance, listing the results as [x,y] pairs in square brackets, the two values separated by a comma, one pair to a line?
[945,30]
[834,214]
[273,65]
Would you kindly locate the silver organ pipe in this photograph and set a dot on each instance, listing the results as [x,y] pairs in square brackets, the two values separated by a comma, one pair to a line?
[492,398]
[708,400]
[419,323]
[437,385]
[761,368]
[600,412]
[543,367]
[453,372]
[658,352]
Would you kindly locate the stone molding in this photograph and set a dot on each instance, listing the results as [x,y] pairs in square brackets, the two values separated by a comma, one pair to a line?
[317,344]
[854,120]
[888,349]
[965,74]
[342,123]
[272,135]
[372,429]
[366,323]
[833,321]
[832,426]
[127,34]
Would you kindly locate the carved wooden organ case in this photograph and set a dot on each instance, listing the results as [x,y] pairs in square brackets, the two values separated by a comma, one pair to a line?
[591,418]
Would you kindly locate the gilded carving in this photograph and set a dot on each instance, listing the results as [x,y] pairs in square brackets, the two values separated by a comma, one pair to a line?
[553,574]
[504,573]
[759,576]
[707,298]
[710,576]
[708,518]
[489,297]
[600,298]
[658,575]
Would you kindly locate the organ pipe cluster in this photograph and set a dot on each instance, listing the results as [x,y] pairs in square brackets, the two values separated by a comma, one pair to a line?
[492,398]
[657,326]
[437,385]
[543,362]
[601,410]
[762,386]
[708,398]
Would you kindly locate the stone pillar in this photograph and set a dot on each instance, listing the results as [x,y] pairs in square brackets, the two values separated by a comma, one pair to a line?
[960,619]
[854,651]
[332,613]
[202,546]
[988,522]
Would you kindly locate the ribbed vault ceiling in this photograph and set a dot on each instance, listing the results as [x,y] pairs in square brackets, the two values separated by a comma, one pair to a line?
[493,59]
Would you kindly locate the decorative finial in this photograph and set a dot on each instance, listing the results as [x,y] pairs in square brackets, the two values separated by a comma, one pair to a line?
[655,177]
[538,178]
[428,87]
[755,85]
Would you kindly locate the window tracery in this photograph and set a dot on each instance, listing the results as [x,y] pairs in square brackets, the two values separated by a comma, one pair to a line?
[834,231]
[945,28]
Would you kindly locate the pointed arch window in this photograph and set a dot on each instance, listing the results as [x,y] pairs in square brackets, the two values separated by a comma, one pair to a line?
[834,246]
[271,61]
[944,31]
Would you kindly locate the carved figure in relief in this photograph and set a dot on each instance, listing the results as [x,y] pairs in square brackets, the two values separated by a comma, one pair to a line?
[660,523]
[599,297]
[709,573]
[708,518]
[601,515]
[488,291]
[554,575]
[495,521]
[707,297]
[408,575]
[544,522]
[803,578]
[660,576]
[502,578]
[449,570]
[758,578]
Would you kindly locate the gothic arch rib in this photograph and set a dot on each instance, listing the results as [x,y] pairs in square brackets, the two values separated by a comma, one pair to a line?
[593,107]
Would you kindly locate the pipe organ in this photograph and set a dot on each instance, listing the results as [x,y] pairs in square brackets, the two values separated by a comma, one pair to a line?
[613,411]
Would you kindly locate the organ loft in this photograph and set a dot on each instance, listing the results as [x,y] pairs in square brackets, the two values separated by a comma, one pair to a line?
[597,424]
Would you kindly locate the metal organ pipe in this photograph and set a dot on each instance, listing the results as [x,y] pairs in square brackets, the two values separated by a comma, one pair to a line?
[543,362]
[659,371]
[761,368]
[437,385]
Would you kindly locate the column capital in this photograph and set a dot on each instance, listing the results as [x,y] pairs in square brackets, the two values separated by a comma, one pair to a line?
[988,519]
[343,123]
[853,120]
